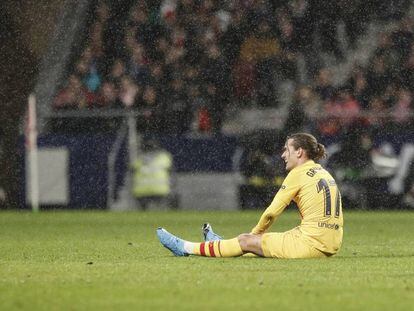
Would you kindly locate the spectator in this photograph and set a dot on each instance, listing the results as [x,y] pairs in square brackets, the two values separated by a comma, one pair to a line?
[304,111]
[177,111]
[96,38]
[287,61]
[303,24]
[377,114]
[73,96]
[248,44]
[406,75]
[326,14]
[139,24]
[88,74]
[233,37]
[389,95]
[262,49]
[359,86]
[304,28]
[378,76]
[198,104]
[216,87]
[129,93]
[323,84]
[103,12]
[158,79]
[402,110]
[108,96]
[138,65]
[403,37]
[387,51]
[340,112]
[118,71]
[354,17]
[151,111]
[160,50]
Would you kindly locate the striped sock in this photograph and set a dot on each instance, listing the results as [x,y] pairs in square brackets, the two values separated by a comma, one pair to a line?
[219,248]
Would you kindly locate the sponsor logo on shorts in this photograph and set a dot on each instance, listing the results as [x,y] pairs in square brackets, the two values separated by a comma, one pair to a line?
[328,226]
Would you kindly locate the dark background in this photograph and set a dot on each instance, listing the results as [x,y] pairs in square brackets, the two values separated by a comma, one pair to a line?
[25,28]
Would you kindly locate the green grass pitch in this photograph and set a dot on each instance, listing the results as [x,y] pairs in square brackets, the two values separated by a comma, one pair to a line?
[113,261]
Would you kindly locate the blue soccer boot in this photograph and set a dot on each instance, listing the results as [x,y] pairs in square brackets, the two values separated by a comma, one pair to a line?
[170,241]
[208,233]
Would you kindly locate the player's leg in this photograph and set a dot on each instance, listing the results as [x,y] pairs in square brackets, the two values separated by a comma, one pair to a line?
[289,244]
[244,243]
[251,243]
[210,235]
[218,248]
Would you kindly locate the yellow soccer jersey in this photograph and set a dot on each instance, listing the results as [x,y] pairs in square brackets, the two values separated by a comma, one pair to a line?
[317,196]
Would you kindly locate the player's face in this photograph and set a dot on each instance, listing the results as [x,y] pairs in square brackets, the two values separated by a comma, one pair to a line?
[290,155]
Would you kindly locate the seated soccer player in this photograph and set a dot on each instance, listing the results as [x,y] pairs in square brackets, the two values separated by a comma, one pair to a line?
[316,194]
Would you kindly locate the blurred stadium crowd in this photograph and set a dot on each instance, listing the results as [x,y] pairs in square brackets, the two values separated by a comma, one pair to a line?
[183,63]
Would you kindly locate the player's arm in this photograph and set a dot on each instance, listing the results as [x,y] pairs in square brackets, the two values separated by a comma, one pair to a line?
[269,216]
[282,198]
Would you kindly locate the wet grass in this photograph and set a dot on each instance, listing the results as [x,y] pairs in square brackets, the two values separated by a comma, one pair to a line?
[106,261]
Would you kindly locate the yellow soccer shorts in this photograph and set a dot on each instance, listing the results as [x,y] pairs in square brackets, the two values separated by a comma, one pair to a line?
[289,244]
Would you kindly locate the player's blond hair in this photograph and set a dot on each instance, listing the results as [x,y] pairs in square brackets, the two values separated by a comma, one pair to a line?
[314,149]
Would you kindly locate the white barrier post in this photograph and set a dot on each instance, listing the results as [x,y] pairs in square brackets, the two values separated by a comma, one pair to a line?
[31,153]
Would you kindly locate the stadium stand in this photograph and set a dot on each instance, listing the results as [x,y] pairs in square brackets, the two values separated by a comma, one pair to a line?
[197,67]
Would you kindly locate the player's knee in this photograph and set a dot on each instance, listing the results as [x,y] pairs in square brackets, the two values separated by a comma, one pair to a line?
[244,240]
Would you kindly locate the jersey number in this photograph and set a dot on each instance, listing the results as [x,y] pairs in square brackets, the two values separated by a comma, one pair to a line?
[323,186]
